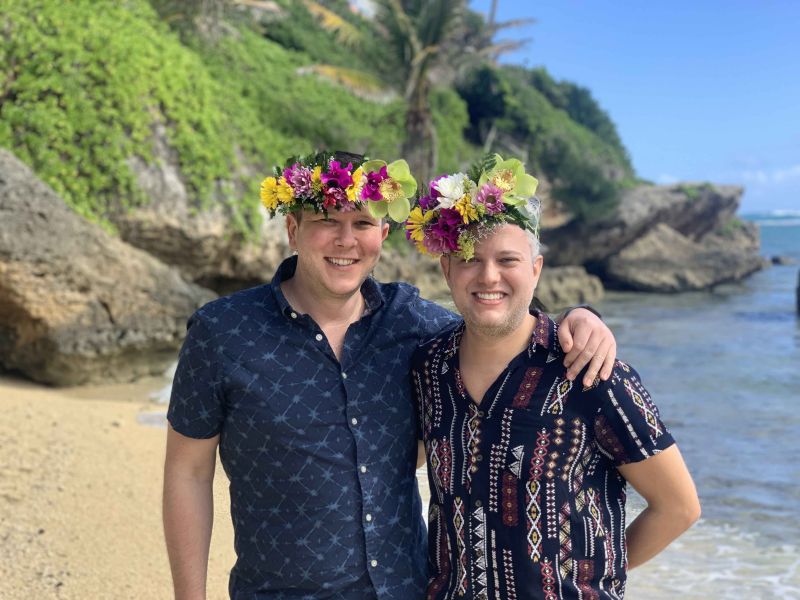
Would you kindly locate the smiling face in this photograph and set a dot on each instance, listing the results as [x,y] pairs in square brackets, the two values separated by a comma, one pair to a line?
[493,290]
[335,254]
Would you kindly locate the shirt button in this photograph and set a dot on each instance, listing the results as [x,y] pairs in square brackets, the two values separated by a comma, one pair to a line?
[363,468]
[294,314]
[344,375]
[354,421]
[318,337]
[373,562]
[478,503]
[368,517]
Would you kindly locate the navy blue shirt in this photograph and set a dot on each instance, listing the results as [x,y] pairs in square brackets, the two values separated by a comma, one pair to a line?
[526,498]
[320,453]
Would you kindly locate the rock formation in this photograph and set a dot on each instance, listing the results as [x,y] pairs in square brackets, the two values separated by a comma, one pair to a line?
[76,304]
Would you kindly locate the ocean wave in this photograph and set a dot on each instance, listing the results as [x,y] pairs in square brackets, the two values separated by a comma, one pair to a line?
[777,222]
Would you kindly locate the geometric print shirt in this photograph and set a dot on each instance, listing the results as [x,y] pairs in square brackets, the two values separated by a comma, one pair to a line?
[320,453]
[526,500]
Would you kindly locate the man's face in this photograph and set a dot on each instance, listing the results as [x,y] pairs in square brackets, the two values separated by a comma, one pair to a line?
[335,254]
[493,290]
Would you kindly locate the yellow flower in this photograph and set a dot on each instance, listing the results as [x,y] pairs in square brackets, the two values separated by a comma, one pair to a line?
[353,190]
[284,192]
[269,193]
[391,190]
[316,179]
[466,208]
[415,224]
[504,179]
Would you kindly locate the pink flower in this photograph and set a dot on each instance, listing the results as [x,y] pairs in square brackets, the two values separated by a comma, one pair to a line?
[299,177]
[335,198]
[338,175]
[491,197]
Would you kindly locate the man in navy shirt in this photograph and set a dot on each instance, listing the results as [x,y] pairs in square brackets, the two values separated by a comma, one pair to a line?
[303,385]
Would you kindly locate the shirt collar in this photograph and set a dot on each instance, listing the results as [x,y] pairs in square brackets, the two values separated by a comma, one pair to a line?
[373,297]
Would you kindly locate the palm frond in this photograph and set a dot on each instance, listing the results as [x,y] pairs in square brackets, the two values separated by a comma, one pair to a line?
[345,32]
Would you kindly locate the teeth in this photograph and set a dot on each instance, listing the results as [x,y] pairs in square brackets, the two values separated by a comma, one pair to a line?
[495,296]
[342,262]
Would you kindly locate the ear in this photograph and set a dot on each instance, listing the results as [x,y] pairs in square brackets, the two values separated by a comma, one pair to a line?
[444,263]
[291,230]
[384,231]
[538,263]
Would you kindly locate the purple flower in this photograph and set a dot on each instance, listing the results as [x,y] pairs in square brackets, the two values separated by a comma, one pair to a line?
[299,177]
[371,189]
[338,175]
[491,197]
[442,236]
[428,202]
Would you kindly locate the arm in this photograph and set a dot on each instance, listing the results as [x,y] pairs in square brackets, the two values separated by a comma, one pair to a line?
[672,504]
[188,507]
[587,341]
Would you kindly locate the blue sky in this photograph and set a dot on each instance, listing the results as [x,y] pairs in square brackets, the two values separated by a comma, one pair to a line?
[700,90]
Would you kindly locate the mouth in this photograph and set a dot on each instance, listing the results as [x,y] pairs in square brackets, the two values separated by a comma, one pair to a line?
[489,297]
[341,262]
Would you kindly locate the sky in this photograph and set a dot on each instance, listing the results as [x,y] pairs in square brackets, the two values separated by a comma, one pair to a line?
[702,90]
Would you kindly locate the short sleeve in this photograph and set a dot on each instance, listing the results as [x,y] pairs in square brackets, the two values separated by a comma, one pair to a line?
[196,406]
[628,426]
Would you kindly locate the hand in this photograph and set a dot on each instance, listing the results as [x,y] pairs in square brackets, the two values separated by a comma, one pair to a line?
[587,340]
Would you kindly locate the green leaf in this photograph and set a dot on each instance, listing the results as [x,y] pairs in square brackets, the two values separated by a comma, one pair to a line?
[399,209]
[378,209]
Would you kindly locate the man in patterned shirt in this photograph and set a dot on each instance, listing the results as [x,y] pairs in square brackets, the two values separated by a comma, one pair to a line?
[527,469]
[303,386]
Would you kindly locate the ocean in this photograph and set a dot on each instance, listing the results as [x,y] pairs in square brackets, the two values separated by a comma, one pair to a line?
[724,368]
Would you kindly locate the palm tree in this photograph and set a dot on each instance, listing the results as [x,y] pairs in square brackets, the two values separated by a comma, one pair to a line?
[419,31]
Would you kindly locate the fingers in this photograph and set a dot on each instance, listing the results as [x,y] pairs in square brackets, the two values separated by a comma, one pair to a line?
[601,363]
[581,354]
[565,339]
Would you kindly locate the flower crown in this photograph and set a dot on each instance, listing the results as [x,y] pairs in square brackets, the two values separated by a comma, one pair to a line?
[325,181]
[461,208]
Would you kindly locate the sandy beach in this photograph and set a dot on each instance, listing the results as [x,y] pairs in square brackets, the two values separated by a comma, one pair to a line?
[80,496]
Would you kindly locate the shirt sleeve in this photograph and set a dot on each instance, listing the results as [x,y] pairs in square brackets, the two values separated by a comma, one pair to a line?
[196,406]
[628,426]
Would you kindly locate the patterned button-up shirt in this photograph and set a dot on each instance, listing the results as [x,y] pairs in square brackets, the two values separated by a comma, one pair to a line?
[320,453]
[526,499]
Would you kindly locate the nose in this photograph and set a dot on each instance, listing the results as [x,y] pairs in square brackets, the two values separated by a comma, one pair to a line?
[345,235]
[489,273]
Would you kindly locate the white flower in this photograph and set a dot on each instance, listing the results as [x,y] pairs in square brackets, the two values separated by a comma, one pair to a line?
[451,189]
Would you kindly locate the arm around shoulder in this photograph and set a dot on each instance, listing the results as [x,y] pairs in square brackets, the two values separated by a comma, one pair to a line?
[188,510]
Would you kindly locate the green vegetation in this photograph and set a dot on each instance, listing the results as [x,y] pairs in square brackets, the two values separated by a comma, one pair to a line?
[85,85]
[693,192]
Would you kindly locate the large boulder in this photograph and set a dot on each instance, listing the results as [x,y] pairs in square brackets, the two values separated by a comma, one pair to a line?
[693,210]
[76,304]
[203,243]
[665,260]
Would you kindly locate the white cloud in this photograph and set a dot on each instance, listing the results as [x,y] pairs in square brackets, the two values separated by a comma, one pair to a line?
[767,176]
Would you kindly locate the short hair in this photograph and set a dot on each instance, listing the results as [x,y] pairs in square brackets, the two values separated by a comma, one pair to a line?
[533,241]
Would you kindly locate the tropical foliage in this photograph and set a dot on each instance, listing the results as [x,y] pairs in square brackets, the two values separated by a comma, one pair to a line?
[235,86]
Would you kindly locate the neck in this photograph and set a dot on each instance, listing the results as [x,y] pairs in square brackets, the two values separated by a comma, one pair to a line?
[485,348]
[328,310]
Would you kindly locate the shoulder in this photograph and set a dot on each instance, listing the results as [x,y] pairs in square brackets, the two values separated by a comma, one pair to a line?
[403,300]
[243,303]
[623,382]
[442,342]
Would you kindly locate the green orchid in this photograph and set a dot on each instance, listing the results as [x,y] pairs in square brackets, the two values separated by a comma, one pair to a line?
[397,186]
[510,176]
